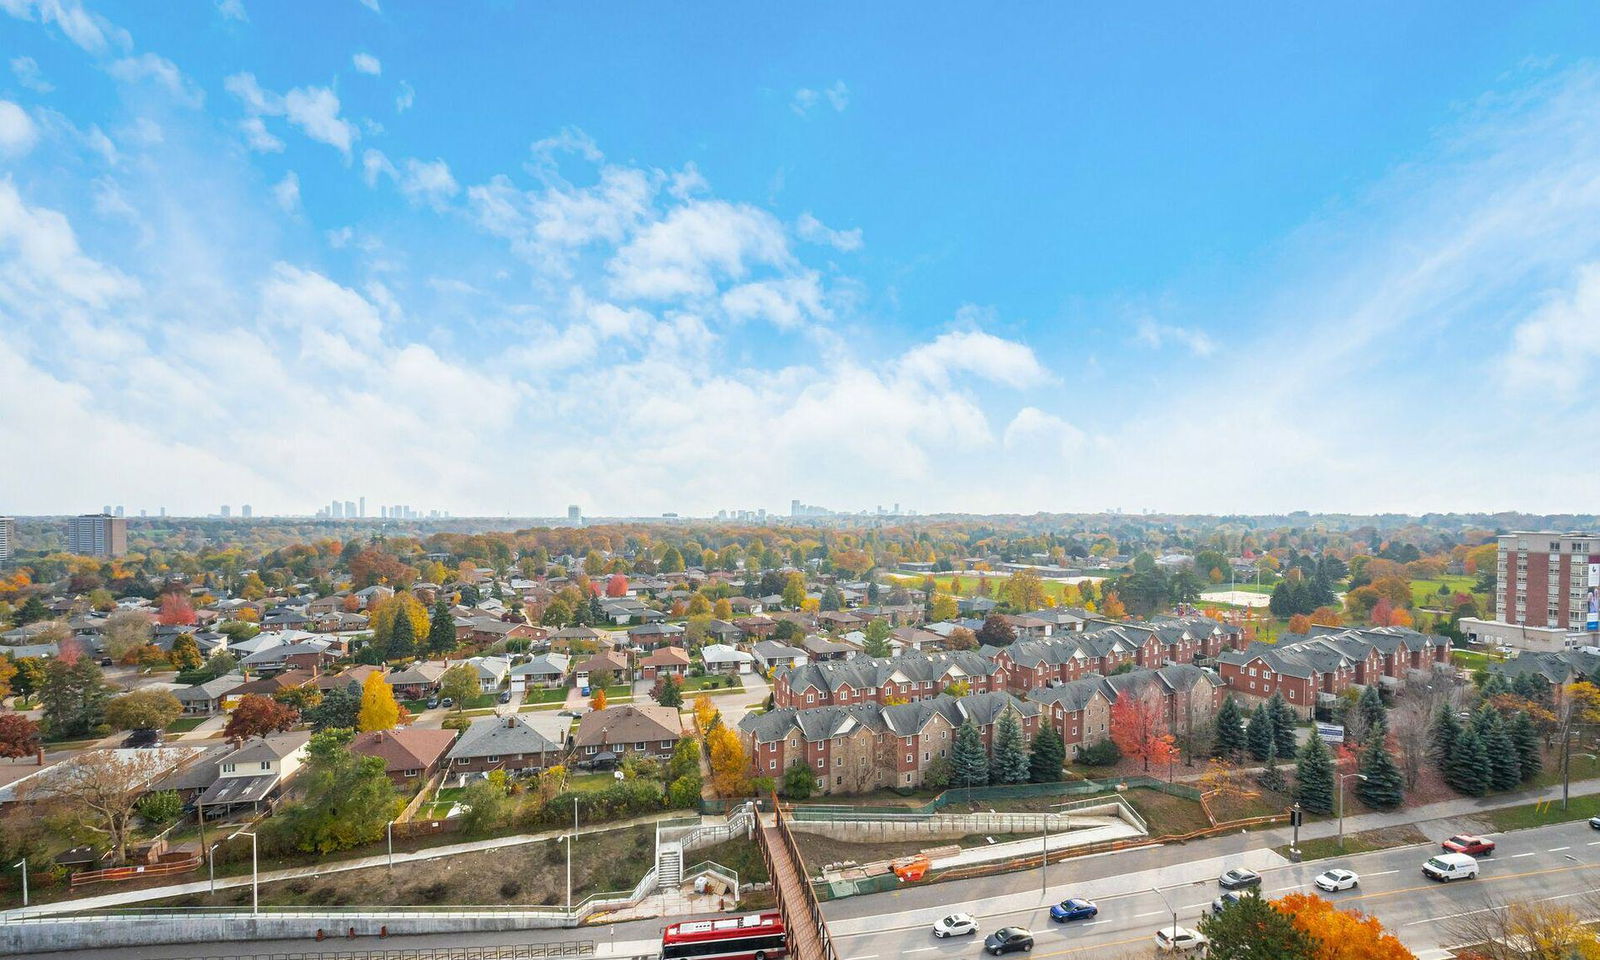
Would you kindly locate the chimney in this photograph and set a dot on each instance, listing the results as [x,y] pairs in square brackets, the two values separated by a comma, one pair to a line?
[511,723]
[39,756]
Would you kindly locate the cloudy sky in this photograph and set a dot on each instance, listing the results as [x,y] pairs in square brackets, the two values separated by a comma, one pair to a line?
[501,257]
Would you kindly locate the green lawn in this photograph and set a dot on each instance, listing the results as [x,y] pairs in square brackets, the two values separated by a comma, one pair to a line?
[714,683]
[1425,593]
[969,584]
[1364,842]
[185,724]
[542,695]
[1540,814]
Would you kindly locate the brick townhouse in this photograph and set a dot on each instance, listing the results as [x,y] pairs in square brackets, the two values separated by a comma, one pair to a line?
[1318,666]
[866,746]
[1185,695]
[869,680]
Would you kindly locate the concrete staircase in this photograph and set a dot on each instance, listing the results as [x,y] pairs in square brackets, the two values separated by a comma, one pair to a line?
[669,866]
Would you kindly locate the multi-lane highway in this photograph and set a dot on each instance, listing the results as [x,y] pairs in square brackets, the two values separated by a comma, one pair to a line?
[1547,864]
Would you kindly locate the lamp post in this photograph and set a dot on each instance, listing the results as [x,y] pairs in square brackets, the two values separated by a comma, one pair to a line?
[255,870]
[1342,778]
[1044,857]
[211,865]
[389,830]
[1566,767]
[24,866]
[569,838]
[1169,907]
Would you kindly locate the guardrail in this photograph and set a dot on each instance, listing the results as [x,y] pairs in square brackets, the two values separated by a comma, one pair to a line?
[110,874]
[531,951]
[711,868]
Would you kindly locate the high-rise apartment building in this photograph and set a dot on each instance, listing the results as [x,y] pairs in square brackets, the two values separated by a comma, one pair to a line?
[1547,592]
[225,511]
[349,509]
[246,512]
[8,539]
[98,535]
[362,509]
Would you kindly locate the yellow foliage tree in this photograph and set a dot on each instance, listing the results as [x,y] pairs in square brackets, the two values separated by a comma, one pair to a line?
[379,710]
[723,610]
[699,605]
[704,712]
[1343,934]
[730,768]
[383,617]
[598,700]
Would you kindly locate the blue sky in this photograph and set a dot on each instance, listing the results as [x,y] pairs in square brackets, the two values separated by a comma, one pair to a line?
[502,257]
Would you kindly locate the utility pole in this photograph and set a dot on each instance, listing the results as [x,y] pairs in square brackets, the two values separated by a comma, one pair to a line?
[1295,816]
[389,829]
[1342,778]
[24,866]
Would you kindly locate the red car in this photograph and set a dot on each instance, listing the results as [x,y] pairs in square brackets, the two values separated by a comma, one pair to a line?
[1473,846]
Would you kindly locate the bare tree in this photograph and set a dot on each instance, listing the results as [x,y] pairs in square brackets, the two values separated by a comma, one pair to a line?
[96,792]
[1520,931]
[1411,720]
[125,632]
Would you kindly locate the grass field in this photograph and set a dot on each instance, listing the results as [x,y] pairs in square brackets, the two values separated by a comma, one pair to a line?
[543,695]
[1540,814]
[1362,842]
[969,584]
[1425,593]
[185,724]
[715,683]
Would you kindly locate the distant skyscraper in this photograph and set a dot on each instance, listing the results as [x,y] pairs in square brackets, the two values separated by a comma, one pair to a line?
[245,511]
[349,509]
[794,508]
[363,507]
[98,535]
[119,509]
[336,510]
[225,511]
[163,511]
[8,538]
[143,512]
[574,515]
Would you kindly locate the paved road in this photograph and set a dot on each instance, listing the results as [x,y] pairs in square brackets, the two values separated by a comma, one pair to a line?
[1560,862]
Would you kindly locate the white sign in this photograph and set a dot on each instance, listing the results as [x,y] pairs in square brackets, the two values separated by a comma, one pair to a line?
[1331,732]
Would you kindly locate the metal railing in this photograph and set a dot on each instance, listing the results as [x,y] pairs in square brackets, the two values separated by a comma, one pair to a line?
[531,951]
[711,868]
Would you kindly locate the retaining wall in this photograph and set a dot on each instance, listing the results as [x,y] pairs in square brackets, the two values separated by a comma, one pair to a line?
[951,826]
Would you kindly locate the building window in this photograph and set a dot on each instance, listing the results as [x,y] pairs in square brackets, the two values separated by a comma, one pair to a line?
[266,764]
[821,765]
[591,750]
[413,773]
[772,764]
[228,768]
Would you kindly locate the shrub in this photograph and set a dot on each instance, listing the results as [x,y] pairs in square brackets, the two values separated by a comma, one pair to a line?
[510,888]
[1102,754]
[161,807]
[433,892]
[685,792]
[456,723]
[299,886]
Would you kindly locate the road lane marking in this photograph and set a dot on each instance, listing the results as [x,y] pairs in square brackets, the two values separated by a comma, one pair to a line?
[1193,906]
[1516,855]
[1557,849]
[920,950]
[1281,889]
[1383,873]
[1153,913]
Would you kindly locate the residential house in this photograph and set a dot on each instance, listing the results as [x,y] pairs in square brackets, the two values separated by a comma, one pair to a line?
[418,681]
[770,654]
[410,755]
[209,698]
[492,672]
[256,773]
[721,658]
[1315,668]
[614,663]
[663,662]
[651,635]
[508,743]
[547,671]
[643,730]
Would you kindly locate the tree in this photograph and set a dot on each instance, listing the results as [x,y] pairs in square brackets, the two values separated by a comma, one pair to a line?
[460,683]
[730,767]
[73,696]
[970,760]
[1230,738]
[486,803]
[1252,930]
[384,618]
[685,758]
[402,639]
[1025,591]
[996,632]
[30,676]
[379,710]
[259,716]
[1047,755]
[798,781]
[348,799]
[176,611]
[1271,777]
[441,630]
[1313,786]
[1525,739]
[832,598]
[1112,607]
[963,639]
[1446,731]
[1010,756]
[794,590]
[96,792]
[597,701]
[1283,724]
[668,691]
[700,606]
[1139,729]
[1384,787]
[1466,768]
[877,644]
[125,631]
[339,707]
[1340,934]
[705,713]
[160,807]
[943,608]
[185,653]
[1259,734]
[19,735]
[1505,763]
[143,710]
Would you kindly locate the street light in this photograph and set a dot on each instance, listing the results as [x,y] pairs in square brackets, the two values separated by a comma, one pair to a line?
[1342,778]
[389,829]
[568,838]
[255,870]
[1169,907]
[24,866]
[211,865]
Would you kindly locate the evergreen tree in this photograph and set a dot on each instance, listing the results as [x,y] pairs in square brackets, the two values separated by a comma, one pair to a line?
[1254,929]
[1283,724]
[402,638]
[1384,788]
[441,629]
[597,613]
[1525,739]
[1465,769]
[1010,755]
[1047,755]
[1314,777]
[1494,684]
[1271,776]
[1505,763]
[1442,737]
[1373,712]
[969,759]
[1258,734]
[340,707]
[1230,738]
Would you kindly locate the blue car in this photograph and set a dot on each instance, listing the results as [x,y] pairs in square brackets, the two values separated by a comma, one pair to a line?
[1073,909]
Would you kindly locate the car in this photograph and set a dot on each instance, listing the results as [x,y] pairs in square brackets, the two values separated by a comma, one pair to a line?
[955,925]
[1336,879]
[143,738]
[1468,844]
[433,702]
[1594,822]
[447,701]
[1176,939]
[1009,940]
[1450,866]
[106,662]
[1073,908]
[1226,900]
[505,696]
[1239,878]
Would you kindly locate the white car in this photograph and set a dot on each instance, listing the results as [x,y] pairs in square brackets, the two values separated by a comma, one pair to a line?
[1179,940]
[1337,880]
[955,925]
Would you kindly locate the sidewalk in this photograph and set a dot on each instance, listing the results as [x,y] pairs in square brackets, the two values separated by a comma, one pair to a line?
[223,883]
[1444,809]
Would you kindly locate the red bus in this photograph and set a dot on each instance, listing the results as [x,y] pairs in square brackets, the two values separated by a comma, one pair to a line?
[759,936]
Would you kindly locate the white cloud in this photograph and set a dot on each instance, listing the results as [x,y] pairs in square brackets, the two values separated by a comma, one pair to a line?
[1156,335]
[405,98]
[258,137]
[43,264]
[786,303]
[806,100]
[232,10]
[374,164]
[27,72]
[336,325]
[18,133]
[1551,348]
[367,63]
[287,192]
[428,182]
[838,96]
[90,31]
[316,111]
[693,247]
[813,230]
[160,72]
[545,226]
[977,353]
[371,5]
[1032,431]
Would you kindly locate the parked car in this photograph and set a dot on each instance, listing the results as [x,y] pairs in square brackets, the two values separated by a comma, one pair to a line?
[1009,940]
[1594,822]
[955,925]
[143,738]
[433,702]
[1450,866]
[1336,879]
[1179,940]
[505,696]
[447,701]
[1239,878]
[1469,844]
[1226,900]
[1073,908]
[107,662]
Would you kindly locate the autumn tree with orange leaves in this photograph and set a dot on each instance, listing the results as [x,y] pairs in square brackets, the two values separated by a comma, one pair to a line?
[1140,731]
[1340,934]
